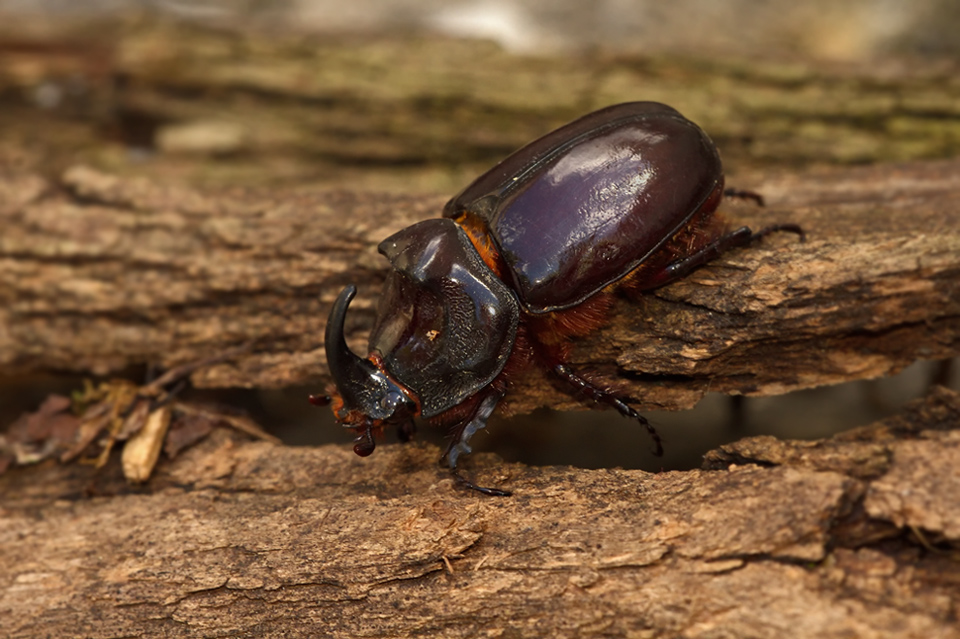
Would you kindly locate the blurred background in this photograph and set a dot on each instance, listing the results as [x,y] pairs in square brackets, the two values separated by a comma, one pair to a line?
[421,96]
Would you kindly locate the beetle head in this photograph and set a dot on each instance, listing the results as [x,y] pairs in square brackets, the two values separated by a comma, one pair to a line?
[366,398]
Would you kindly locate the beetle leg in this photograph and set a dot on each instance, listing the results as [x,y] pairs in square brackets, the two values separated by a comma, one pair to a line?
[776,228]
[744,194]
[406,431]
[600,395]
[734,239]
[460,438]
[466,483]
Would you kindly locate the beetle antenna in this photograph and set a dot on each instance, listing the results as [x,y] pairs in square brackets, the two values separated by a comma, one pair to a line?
[364,445]
[319,400]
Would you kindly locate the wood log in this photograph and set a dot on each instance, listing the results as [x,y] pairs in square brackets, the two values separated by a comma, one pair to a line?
[103,272]
[102,268]
[856,536]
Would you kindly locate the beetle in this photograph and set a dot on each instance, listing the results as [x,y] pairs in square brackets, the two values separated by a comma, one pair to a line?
[524,259]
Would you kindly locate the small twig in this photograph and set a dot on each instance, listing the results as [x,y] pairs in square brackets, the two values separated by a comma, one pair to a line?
[178,372]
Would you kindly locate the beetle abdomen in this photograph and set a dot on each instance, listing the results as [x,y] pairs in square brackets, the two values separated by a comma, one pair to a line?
[583,206]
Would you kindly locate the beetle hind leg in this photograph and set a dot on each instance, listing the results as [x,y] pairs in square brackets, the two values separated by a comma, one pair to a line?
[612,399]
[742,236]
[460,441]
[744,194]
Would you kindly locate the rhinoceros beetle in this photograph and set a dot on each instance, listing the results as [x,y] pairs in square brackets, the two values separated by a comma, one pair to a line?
[524,259]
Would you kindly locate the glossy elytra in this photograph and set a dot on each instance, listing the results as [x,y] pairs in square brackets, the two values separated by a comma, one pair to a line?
[525,258]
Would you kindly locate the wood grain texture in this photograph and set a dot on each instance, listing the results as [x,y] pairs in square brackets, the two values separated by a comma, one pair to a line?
[854,536]
[101,272]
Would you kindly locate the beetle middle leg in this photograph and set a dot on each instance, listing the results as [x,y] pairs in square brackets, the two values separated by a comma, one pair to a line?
[612,399]
[735,239]
[460,438]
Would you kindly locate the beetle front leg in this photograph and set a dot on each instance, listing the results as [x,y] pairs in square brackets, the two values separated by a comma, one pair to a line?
[599,395]
[460,441]
[735,239]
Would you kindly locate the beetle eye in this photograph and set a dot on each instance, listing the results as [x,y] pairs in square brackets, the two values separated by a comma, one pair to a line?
[397,404]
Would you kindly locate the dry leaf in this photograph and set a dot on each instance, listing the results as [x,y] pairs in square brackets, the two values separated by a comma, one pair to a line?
[186,430]
[142,450]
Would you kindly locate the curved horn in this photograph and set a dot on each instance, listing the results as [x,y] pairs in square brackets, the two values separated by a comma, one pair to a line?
[360,383]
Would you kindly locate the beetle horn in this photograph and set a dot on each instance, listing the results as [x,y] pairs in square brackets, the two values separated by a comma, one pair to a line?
[362,386]
[350,371]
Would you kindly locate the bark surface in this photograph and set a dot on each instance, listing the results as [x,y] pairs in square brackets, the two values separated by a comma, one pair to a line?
[856,536]
[103,272]
[102,268]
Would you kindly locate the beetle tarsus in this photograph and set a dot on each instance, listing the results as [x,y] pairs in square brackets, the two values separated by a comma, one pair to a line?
[776,228]
[744,194]
[466,483]
[600,395]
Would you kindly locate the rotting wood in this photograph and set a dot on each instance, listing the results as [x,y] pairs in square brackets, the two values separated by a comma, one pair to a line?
[102,272]
[855,536]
